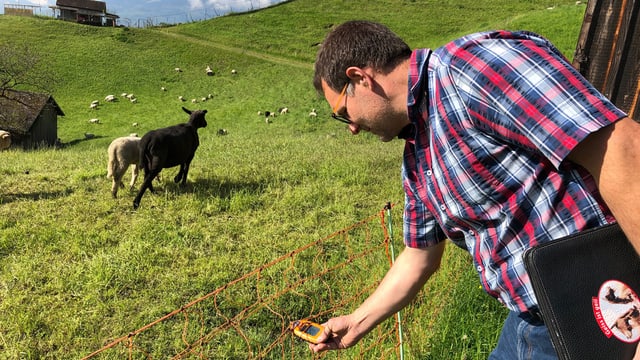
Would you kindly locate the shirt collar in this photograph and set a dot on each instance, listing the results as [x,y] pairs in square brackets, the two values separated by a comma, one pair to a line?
[418,66]
[417,77]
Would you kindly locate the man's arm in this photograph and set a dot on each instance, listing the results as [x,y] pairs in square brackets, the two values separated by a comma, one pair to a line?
[400,285]
[612,156]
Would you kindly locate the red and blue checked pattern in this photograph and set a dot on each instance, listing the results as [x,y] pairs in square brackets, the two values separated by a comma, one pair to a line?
[496,114]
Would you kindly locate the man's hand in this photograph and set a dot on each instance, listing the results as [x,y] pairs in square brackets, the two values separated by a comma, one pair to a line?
[339,333]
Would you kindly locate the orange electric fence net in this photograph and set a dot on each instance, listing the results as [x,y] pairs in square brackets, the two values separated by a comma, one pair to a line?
[249,318]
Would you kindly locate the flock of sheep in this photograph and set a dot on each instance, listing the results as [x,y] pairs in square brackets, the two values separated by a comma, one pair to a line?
[95,104]
[112,98]
[157,149]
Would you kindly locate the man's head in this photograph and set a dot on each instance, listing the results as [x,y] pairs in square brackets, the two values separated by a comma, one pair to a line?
[357,43]
[361,69]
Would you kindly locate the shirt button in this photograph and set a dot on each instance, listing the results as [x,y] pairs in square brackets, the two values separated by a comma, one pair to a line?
[443,208]
[479,268]
[429,173]
[472,233]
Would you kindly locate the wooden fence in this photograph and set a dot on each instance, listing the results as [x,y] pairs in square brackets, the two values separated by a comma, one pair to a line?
[608,51]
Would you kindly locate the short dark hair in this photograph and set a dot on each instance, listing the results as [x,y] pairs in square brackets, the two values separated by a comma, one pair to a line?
[357,43]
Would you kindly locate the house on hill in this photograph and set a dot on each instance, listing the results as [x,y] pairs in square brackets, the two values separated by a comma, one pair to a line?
[31,118]
[87,12]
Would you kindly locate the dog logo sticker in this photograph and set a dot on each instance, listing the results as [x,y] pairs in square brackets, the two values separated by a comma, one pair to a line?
[617,311]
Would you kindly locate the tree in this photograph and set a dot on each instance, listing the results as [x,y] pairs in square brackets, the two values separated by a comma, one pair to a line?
[21,68]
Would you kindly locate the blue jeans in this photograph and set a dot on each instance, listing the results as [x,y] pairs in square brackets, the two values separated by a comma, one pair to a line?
[523,337]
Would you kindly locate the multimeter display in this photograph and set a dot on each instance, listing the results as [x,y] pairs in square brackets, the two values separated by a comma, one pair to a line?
[310,329]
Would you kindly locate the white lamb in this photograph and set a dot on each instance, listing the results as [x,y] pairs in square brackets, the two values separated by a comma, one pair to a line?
[123,152]
[5,139]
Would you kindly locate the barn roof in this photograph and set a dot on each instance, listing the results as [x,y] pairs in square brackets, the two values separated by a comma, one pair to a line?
[99,6]
[20,109]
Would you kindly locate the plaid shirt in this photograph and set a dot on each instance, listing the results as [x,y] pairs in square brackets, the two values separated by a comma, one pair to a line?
[495,115]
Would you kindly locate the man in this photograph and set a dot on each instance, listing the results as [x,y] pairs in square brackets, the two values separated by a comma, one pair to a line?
[507,147]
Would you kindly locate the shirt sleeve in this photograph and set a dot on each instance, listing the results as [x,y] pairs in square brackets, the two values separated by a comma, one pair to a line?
[519,86]
[420,228]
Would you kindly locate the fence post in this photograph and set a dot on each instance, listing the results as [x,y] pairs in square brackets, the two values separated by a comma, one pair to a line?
[393,259]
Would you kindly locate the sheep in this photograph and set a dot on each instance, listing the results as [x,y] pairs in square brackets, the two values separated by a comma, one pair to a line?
[283,110]
[94,121]
[110,98]
[123,152]
[267,114]
[5,139]
[234,72]
[313,113]
[178,69]
[94,104]
[209,70]
[168,147]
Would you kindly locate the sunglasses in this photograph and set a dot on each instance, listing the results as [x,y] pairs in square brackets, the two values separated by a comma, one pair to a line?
[337,105]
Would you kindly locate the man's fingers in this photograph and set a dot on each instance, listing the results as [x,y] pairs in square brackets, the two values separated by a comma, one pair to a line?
[331,345]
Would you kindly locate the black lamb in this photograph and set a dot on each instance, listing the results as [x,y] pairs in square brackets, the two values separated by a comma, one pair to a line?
[169,147]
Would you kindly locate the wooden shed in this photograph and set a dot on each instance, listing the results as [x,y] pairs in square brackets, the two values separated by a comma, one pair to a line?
[608,51]
[19,9]
[31,118]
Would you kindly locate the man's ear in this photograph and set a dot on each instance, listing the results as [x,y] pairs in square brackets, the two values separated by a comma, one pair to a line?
[355,73]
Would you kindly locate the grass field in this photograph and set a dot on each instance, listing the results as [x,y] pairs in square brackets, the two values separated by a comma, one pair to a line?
[78,268]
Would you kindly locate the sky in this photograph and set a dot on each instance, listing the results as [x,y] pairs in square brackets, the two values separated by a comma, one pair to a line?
[136,12]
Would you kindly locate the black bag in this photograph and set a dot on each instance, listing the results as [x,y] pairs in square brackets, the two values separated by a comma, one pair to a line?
[586,285]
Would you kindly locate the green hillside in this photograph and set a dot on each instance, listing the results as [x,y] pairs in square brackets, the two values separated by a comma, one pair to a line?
[78,268]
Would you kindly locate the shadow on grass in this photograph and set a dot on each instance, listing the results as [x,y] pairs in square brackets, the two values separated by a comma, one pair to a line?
[203,188]
[78,141]
[34,196]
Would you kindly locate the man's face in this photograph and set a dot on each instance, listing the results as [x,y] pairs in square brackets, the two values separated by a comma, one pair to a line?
[365,109]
